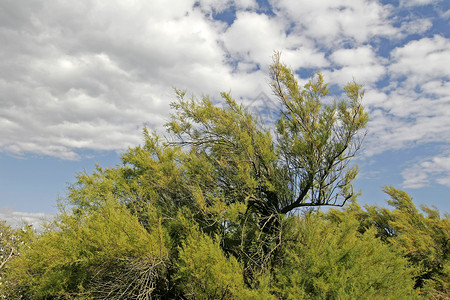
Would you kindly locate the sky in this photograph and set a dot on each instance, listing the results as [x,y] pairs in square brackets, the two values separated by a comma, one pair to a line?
[80,79]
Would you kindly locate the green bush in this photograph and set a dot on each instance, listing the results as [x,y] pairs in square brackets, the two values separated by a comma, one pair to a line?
[330,259]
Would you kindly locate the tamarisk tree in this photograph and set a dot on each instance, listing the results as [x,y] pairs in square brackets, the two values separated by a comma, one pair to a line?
[305,163]
[210,213]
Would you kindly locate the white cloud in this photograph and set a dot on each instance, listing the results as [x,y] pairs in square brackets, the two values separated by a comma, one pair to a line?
[304,57]
[414,26]
[438,88]
[414,108]
[253,37]
[218,6]
[88,74]
[17,219]
[446,14]
[360,64]
[422,60]
[405,121]
[409,3]
[335,22]
[431,169]
[356,56]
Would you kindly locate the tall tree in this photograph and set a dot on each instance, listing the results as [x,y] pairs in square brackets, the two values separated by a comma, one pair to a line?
[210,213]
[423,237]
[12,242]
[306,164]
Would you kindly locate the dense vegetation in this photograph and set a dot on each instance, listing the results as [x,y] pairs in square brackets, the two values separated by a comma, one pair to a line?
[227,209]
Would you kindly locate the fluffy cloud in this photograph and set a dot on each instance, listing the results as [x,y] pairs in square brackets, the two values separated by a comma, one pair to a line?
[251,34]
[89,74]
[336,22]
[409,3]
[422,60]
[413,109]
[446,14]
[360,63]
[421,174]
[218,6]
[17,219]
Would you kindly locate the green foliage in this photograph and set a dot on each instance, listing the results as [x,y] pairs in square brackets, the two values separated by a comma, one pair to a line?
[315,140]
[305,165]
[327,258]
[12,243]
[422,239]
[80,257]
[231,163]
[205,272]
[213,213]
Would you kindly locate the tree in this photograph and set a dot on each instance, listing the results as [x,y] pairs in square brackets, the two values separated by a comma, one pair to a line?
[206,272]
[8,244]
[211,213]
[305,165]
[106,254]
[423,239]
[326,257]
[12,243]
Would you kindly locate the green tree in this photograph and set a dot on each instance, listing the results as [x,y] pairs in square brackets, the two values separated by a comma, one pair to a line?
[106,254]
[306,163]
[423,239]
[206,272]
[213,212]
[326,257]
[12,243]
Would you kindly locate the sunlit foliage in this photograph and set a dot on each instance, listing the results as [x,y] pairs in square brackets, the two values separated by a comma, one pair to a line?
[225,208]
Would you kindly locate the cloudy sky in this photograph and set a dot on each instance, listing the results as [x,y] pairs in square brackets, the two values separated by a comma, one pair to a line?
[79,80]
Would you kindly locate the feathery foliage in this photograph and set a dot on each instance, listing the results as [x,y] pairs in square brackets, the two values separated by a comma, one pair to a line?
[214,213]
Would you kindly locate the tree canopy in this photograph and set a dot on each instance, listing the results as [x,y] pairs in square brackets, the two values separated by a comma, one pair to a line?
[223,209]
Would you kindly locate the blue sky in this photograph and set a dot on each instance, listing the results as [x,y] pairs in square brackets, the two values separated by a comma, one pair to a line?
[79,80]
